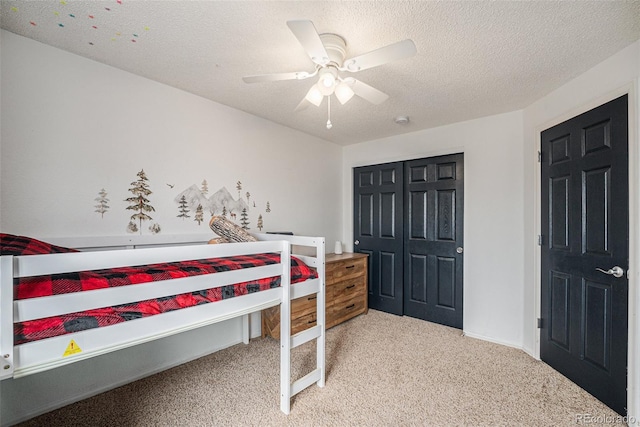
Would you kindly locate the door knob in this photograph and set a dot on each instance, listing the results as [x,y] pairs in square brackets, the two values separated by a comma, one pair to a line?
[357,242]
[614,271]
[459,249]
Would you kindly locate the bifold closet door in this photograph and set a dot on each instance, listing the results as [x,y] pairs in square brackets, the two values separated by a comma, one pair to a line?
[378,231]
[408,218]
[433,250]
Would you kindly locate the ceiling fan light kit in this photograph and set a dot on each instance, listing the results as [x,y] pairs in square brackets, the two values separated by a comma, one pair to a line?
[328,51]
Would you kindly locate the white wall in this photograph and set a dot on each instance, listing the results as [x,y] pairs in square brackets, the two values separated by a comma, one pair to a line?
[493,212]
[71,126]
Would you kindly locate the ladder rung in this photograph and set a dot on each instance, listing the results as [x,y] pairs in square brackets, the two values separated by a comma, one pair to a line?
[306,336]
[305,288]
[306,381]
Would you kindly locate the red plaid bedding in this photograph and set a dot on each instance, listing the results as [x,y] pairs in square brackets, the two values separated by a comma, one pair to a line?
[32,287]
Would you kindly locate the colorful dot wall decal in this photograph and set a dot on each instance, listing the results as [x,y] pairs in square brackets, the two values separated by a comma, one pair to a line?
[133,40]
[72,15]
[14,9]
[61,25]
[107,9]
[56,13]
[63,2]
[32,23]
[94,27]
[90,16]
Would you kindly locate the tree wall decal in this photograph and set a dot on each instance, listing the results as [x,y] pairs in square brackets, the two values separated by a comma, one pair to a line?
[102,207]
[139,201]
[183,208]
[244,219]
[199,215]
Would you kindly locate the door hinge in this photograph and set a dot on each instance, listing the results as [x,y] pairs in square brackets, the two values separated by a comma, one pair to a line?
[539,323]
[539,239]
[539,156]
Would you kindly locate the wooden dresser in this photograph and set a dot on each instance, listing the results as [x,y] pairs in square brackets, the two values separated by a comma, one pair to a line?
[346,297]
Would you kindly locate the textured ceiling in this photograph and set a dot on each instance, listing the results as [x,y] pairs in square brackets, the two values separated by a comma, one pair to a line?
[474,59]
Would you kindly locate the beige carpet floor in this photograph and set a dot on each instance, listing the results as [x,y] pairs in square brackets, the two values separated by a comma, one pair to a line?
[382,370]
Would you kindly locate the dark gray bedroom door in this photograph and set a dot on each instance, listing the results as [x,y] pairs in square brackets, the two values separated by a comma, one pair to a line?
[585,254]
[408,218]
[378,229]
[433,239]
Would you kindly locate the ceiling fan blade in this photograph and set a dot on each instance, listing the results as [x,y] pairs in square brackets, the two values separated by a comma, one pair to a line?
[302,105]
[300,75]
[393,52]
[308,37]
[367,92]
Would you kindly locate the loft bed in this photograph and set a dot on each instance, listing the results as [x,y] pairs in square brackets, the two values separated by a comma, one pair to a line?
[227,274]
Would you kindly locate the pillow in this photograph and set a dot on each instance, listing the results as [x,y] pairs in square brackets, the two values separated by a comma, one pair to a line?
[230,231]
[21,245]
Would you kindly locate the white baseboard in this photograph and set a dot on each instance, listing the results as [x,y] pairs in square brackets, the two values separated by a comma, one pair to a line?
[493,340]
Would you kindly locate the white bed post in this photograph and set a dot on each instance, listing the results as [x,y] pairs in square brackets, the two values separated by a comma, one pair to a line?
[245,329]
[285,330]
[6,317]
[320,309]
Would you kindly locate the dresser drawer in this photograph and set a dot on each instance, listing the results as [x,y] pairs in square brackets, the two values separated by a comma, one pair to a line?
[344,269]
[347,289]
[303,306]
[344,310]
[303,322]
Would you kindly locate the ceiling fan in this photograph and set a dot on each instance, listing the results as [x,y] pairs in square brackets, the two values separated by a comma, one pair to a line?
[328,51]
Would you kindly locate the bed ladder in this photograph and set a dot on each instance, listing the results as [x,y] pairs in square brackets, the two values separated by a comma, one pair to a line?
[288,342]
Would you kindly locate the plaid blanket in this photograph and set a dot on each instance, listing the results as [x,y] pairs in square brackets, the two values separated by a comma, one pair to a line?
[33,287]
[21,245]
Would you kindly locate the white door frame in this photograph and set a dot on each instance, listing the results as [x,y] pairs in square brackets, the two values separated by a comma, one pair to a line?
[633,354]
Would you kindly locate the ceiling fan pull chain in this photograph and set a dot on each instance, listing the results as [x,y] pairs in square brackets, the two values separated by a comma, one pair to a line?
[329,125]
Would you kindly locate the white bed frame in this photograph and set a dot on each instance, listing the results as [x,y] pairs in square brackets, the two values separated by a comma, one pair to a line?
[37,356]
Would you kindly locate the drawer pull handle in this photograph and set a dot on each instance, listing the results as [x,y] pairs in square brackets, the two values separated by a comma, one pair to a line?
[350,266]
[312,298]
[350,306]
[350,286]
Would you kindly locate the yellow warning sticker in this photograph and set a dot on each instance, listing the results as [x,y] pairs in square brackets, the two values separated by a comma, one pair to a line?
[72,348]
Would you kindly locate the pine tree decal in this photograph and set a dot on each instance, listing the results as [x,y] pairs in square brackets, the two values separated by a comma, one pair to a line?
[239,188]
[244,219]
[102,200]
[248,196]
[205,187]
[199,216]
[268,207]
[139,201]
[260,225]
[224,211]
[183,208]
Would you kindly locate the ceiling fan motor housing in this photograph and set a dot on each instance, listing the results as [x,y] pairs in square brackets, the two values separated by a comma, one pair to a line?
[335,46]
